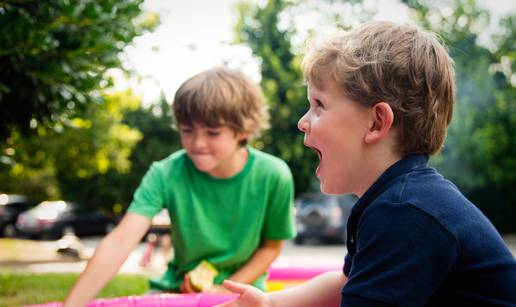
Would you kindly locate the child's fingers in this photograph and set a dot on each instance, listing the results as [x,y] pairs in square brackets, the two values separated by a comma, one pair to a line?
[186,287]
[234,286]
[182,287]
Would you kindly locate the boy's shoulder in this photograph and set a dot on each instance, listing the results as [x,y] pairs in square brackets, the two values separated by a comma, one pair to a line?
[267,162]
[427,193]
[265,157]
[173,160]
[425,189]
[428,190]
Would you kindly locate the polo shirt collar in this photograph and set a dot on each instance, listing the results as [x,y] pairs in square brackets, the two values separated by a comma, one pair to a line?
[403,166]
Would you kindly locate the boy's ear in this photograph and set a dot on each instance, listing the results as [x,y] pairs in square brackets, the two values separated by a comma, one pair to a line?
[382,119]
[242,136]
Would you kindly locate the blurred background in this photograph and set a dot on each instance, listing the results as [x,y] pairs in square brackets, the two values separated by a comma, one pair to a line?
[86,86]
[85,90]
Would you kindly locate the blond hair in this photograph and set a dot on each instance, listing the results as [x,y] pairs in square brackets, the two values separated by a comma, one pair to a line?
[398,64]
[221,97]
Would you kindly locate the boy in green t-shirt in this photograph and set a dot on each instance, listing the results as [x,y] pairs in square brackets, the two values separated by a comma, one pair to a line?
[229,204]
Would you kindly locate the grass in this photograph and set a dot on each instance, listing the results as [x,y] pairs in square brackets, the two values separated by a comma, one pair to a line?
[25,288]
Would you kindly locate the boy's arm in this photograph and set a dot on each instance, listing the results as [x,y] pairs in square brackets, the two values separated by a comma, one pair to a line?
[259,262]
[107,259]
[323,290]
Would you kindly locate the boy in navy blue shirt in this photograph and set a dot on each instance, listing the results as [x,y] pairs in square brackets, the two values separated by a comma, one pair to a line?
[381,99]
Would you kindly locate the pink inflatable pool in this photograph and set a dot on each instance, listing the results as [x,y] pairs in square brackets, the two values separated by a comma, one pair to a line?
[282,277]
[299,273]
[157,300]
[279,278]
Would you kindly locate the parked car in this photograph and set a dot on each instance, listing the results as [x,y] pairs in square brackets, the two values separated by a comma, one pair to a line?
[52,219]
[10,207]
[160,223]
[323,217]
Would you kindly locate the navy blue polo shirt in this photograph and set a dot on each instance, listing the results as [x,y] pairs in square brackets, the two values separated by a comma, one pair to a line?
[414,240]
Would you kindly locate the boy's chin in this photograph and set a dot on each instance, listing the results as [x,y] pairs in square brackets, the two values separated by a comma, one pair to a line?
[332,190]
[203,167]
[328,189]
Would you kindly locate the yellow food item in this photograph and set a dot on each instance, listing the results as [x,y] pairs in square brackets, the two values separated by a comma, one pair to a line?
[201,278]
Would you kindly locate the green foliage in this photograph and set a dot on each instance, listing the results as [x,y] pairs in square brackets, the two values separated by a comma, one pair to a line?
[114,190]
[52,162]
[25,289]
[99,143]
[98,159]
[59,126]
[54,55]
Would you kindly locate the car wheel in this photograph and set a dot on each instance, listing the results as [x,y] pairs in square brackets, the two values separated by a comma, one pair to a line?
[299,240]
[68,230]
[110,227]
[9,231]
[344,238]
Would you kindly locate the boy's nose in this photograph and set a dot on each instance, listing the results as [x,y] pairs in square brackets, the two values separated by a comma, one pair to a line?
[199,142]
[303,124]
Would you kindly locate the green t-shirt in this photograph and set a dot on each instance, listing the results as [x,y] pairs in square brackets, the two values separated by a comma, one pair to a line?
[222,221]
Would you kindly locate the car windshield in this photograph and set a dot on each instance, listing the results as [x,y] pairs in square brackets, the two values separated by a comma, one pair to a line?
[50,209]
[10,199]
[316,199]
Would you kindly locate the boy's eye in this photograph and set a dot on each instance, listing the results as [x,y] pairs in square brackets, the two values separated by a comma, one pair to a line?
[213,133]
[318,103]
[186,130]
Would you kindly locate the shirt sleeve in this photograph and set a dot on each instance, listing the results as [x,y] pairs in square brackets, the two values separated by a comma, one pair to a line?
[148,198]
[279,218]
[402,256]
[347,265]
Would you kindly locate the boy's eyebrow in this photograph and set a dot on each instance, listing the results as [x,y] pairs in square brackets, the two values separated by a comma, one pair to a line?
[190,125]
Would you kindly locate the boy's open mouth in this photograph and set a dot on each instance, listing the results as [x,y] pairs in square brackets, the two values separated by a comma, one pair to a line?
[314,149]
[318,168]
[319,154]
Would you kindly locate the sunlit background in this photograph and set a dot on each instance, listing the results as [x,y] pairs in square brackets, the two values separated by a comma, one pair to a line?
[199,34]
[86,88]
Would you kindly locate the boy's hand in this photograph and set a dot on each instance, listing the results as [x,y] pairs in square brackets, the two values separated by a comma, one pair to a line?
[249,295]
[186,287]
[218,289]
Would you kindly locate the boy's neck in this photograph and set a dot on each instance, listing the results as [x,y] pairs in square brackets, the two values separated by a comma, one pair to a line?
[232,167]
[378,160]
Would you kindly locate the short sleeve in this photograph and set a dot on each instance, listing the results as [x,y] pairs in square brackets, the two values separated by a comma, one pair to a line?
[279,218]
[347,265]
[402,256]
[148,198]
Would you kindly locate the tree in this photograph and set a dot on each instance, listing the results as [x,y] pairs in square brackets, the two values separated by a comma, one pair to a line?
[115,190]
[100,143]
[54,56]
[56,161]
